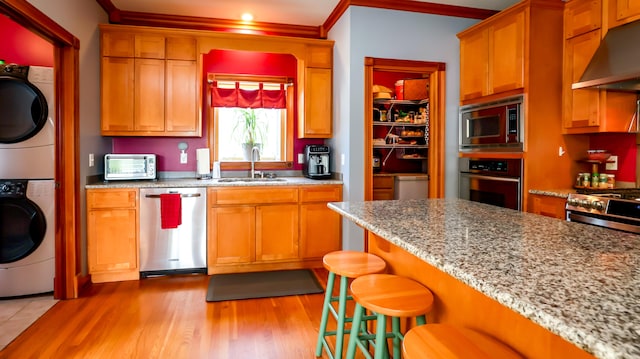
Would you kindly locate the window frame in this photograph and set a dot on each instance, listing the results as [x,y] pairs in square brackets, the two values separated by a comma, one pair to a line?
[288,128]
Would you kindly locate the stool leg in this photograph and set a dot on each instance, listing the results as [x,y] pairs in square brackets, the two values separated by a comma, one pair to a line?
[353,336]
[325,313]
[421,320]
[381,337]
[342,310]
[395,328]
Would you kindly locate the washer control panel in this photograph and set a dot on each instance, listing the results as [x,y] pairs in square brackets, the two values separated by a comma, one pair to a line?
[13,188]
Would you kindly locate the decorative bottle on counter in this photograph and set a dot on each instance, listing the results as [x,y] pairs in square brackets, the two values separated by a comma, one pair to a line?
[595,179]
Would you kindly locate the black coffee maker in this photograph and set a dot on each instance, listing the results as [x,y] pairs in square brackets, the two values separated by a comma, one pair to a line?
[316,162]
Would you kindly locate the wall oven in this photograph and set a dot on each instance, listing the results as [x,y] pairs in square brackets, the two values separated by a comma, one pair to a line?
[492,181]
[492,126]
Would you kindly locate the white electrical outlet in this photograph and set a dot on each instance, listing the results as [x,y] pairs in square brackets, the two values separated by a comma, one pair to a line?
[613,165]
[300,158]
[183,158]
[92,160]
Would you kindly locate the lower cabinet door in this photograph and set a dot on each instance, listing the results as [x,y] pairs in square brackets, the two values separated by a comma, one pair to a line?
[112,240]
[276,232]
[231,237]
[320,229]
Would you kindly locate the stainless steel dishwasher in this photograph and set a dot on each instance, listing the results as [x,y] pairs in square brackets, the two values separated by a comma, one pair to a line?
[176,250]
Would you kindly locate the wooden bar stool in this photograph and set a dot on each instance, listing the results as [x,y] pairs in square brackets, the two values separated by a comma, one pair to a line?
[386,295]
[444,341]
[346,264]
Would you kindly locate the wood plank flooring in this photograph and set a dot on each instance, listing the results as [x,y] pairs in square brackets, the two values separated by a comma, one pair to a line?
[168,317]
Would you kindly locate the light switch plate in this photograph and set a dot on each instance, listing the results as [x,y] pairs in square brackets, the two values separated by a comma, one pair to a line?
[183,157]
[613,165]
[300,158]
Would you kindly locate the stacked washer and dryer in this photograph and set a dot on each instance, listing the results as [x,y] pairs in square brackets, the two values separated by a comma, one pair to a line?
[27,186]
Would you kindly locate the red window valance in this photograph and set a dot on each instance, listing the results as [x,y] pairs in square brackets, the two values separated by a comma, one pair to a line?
[237,97]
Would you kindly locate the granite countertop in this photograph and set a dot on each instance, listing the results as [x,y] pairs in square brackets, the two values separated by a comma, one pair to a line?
[578,281]
[561,193]
[220,182]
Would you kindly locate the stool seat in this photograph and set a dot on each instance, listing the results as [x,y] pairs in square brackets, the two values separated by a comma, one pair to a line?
[392,295]
[386,295]
[445,341]
[353,264]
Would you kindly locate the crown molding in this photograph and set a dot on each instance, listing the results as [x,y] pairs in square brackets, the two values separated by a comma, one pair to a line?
[117,16]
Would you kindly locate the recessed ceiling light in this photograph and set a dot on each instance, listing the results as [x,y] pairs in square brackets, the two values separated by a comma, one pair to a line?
[247,17]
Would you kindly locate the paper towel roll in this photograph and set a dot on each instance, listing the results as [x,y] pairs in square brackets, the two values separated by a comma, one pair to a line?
[202,159]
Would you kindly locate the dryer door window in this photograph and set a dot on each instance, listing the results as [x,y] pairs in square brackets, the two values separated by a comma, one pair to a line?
[24,110]
[22,229]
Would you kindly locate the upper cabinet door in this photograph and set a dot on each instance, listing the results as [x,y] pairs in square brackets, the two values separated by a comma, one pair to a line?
[181,103]
[623,12]
[581,17]
[317,104]
[492,57]
[506,54]
[474,65]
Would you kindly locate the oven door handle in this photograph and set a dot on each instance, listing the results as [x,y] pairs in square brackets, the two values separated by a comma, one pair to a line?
[578,218]
[491,178]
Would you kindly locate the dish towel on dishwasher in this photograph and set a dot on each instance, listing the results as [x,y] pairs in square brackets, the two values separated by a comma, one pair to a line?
[170,210]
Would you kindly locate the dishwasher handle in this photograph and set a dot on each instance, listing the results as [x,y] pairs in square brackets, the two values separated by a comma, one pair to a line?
[182,195]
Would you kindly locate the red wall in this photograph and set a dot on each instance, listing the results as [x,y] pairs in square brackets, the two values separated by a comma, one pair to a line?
[622,145]
[216,61]
[21,46]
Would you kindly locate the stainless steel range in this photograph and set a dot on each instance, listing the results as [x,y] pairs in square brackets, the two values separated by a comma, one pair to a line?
[611,208]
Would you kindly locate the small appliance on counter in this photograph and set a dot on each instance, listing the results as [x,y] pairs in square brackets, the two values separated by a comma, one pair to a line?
[129,167]
[316,162]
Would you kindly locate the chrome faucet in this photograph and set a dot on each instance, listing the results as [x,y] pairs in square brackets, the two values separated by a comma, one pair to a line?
[255,150]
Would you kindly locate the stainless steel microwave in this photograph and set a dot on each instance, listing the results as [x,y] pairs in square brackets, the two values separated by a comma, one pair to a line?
[129,167]
[493,126]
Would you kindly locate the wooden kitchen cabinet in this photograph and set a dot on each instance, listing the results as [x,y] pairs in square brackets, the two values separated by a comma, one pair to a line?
[317,104]
[250,228]
[320,227]
[549,206]
[315,97]
[232,232]
[149,83]
[623,12]
[492,56]
[589,110]
[271,228]
[383,187]
[112,234]
[276,232]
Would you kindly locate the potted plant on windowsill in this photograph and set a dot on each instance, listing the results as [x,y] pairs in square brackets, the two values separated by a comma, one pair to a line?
[250,131]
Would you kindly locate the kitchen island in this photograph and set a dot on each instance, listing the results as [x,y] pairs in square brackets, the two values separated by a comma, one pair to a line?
[547,287]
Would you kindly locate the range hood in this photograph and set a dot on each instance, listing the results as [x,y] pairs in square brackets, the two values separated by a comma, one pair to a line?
[616,63]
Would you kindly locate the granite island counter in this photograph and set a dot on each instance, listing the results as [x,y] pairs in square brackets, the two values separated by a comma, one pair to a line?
[547,287]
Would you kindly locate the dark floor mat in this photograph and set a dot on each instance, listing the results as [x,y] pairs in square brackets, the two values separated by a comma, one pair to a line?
[262,285]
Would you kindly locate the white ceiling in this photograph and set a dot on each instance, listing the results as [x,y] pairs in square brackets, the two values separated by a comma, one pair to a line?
[295,12]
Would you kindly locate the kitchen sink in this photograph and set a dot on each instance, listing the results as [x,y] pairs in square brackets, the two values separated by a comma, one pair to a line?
[247,179]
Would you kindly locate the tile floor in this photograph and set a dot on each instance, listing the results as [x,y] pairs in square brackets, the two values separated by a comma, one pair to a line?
[16,315]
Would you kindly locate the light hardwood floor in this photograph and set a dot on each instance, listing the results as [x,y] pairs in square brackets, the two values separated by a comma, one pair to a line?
[168,317]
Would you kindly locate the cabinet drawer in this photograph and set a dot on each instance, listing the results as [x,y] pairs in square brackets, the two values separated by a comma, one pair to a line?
[255,195]
[382,194]
[125,198]
[320,194]
[383,182]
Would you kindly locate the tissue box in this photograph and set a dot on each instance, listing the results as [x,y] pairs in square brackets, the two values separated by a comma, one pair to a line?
[416,89]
